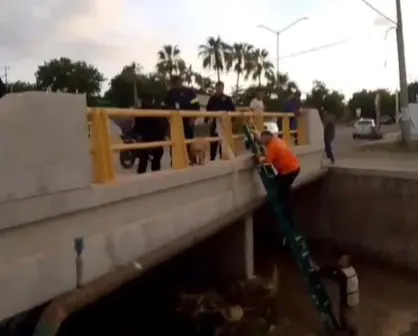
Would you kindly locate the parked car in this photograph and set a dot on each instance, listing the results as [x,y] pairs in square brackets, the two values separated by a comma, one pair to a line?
[365,129]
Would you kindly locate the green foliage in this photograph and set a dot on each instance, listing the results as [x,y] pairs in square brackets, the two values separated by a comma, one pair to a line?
[365,100]
[66,75]
[243,59]
[331,100]
[20,86]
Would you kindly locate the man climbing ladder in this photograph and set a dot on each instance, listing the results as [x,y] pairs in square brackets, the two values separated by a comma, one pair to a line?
[285,220]
[287,165]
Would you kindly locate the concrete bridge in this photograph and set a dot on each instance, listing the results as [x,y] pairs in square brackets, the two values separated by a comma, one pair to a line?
[54,192]
[57,185]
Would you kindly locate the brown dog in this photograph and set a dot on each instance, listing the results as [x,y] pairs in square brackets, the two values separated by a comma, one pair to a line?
[198,151]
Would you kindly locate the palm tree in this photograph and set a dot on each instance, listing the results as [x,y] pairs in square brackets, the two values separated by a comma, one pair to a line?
[189,75]
[240,59]
[214,53]
[260,65]
[169,60]
[205,84]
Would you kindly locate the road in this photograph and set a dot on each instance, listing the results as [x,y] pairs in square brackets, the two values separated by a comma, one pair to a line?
[343,142]
[344,137]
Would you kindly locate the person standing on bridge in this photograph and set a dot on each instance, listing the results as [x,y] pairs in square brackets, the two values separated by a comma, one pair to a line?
[293,105]
[345,276]
[328,122]
[3,89]
[218,102]
[150,129]
[182,98]
[286,164]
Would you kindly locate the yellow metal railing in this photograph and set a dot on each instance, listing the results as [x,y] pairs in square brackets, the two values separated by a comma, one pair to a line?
[103,148]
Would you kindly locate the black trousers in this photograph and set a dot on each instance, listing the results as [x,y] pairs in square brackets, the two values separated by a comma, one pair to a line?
[155,154]
[328,150]
[215,147]
[284,185]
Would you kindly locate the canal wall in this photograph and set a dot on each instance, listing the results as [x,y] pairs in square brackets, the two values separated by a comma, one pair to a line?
[372,214]
[362,211]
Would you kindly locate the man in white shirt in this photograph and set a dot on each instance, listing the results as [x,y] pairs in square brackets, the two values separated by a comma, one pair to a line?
[257,104]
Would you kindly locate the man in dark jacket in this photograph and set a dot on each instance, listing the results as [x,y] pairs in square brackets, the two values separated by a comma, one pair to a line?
[328,121]
[218,102]
[293,105]
[3,89]
[182,98]
[150,129]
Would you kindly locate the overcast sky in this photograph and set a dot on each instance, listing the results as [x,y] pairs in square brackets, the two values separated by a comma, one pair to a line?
[111,33]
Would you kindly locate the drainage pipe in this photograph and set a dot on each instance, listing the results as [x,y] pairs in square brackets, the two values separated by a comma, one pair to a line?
[63,306]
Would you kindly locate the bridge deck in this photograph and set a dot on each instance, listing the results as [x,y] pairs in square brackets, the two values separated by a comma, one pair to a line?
[28,241]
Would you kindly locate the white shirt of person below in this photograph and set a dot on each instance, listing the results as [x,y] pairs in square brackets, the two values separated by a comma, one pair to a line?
[257,104]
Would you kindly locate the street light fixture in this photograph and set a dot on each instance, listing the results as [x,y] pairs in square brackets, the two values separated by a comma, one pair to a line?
[278,33]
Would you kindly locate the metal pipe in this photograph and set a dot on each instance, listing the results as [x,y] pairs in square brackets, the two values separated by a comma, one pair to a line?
[79,247]
[63,306]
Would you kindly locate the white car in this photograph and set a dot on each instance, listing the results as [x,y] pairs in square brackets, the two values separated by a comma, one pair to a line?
[365,128]
[272,127]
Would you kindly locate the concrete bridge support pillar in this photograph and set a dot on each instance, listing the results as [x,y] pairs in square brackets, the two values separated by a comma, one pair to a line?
[228,256]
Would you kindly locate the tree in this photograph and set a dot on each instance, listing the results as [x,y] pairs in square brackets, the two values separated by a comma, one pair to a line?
[413,91]
[331,100]
[67,76]
[189,75]
[365,100]
[240,59]
[260,65]
[214,53]
[120,91]
[20,86]
[204,84]
[169,61]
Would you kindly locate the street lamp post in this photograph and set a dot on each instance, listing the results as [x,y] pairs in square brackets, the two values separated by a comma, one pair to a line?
[278,33]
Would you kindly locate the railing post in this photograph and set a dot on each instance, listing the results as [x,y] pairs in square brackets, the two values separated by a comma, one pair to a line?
[179,155]
[99,160]
[228,148]
[107,145]
[259,121]
[286,130]
[302,122]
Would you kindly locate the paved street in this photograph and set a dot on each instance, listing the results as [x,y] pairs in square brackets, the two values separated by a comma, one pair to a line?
[344,137]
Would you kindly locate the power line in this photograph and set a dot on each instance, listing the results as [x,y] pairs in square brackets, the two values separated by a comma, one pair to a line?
[368,4]
[325,46]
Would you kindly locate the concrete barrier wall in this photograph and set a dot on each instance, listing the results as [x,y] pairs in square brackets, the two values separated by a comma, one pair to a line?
[365,212]
[44,145]
[136,218]
[120,223]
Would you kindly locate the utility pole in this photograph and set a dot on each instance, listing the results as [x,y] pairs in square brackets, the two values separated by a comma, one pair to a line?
[405,117]
[6,69]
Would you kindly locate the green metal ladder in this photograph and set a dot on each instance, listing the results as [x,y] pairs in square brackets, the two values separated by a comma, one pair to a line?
[293,238]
